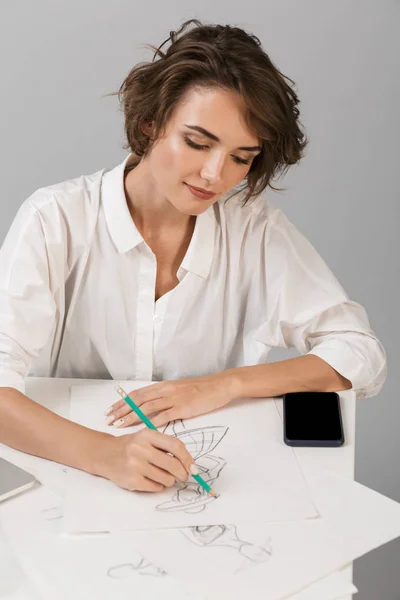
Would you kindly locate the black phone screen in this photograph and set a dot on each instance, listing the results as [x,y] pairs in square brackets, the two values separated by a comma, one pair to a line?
[312,417]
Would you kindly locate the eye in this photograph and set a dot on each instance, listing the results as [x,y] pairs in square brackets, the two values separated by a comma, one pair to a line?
[241,161]
[193,145]
[189,142]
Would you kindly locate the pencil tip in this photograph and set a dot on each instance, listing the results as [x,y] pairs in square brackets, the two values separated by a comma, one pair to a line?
[212,493]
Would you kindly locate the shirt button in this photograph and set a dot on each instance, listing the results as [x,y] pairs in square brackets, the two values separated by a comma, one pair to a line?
[156,319]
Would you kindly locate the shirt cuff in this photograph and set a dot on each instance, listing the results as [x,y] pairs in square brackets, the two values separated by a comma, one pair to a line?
[12,379]
[355,369]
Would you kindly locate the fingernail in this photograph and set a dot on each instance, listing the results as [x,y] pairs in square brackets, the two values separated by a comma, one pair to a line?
[109,420]
[118,423]
[109,409]
[193,469]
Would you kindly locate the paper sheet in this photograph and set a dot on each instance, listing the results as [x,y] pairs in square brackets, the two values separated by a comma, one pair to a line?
[268,486]
[14,583]
[104,566]
[96,566]
[333,587]
[278,559]
[355,520]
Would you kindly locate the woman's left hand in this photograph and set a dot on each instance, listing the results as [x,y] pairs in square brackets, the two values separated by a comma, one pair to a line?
[174,399]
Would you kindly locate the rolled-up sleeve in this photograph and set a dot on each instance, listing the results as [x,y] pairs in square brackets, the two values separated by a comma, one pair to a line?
[27,307]
[350,347]
[309,310]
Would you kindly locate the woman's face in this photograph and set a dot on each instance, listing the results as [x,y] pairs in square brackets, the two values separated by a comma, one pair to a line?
[185,156]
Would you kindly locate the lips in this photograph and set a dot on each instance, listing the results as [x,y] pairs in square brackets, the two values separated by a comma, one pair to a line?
[199,193]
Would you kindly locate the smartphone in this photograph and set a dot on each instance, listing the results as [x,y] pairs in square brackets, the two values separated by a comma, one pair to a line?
[312,419]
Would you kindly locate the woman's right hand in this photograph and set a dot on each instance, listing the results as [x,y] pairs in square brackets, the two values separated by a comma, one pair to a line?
[147,460]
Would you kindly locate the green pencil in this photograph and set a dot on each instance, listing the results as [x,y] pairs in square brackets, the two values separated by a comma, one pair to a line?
[150,425]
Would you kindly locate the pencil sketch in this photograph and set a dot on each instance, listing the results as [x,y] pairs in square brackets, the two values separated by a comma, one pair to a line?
[190,496]
[173,427]
[139,565]
[226,535]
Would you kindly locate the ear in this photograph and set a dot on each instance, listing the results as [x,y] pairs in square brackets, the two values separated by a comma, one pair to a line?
[147,128]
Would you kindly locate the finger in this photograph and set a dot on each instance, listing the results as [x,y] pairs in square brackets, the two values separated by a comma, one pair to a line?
[114,407]
[168,464]
[136,395]
[122,420]
[150,392]
[148,485]
[149,408]
[159,475]
[124,409]
[119,408]
[147,393]
[118,414]
[170,444]
[165,417]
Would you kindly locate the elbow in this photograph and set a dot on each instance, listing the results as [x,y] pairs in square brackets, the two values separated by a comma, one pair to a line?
[375,386]
[376,368]
[359,361]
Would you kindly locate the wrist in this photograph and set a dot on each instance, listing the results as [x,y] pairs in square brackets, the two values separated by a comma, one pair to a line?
[101,450]
[232,382]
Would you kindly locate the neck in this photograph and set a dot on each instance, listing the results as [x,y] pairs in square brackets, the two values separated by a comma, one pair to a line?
[151,212]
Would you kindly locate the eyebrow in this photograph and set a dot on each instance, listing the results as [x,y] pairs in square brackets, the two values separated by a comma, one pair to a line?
[216,139]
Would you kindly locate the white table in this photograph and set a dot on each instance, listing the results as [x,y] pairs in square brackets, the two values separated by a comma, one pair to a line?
[54,394]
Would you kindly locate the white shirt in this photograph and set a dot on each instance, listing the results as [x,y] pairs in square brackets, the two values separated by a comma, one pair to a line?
[77,293]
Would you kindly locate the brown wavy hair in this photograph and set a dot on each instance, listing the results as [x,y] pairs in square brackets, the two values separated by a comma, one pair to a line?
[216,56]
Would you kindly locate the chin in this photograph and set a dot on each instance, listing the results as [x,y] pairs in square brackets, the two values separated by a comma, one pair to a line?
[191,209]
[190,212]
[198,210]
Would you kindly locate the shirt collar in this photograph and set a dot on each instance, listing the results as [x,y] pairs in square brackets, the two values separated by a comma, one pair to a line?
[123,230]
[126,236]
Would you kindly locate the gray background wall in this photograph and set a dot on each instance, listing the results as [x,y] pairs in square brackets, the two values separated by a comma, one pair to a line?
[59,59]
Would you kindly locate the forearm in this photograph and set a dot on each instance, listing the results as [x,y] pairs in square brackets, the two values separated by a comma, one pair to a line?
[306,373]
[31,428]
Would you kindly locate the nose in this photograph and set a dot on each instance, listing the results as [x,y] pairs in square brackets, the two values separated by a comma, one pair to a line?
[212,168]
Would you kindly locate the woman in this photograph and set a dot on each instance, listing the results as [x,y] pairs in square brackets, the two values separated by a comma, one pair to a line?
[173,267]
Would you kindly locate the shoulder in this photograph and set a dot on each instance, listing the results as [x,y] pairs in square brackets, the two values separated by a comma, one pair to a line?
[258,219]
[262,229]
[64,208]
[55,222]
[80,191]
